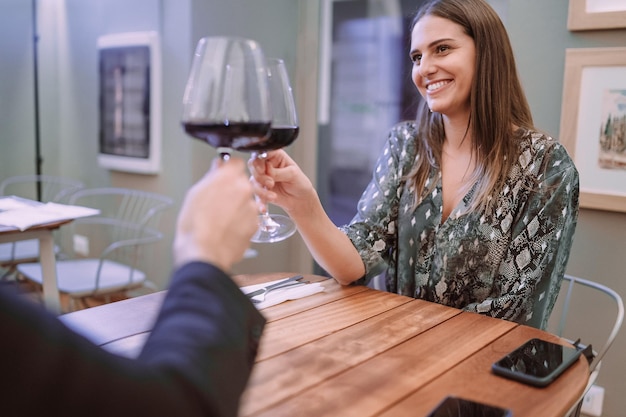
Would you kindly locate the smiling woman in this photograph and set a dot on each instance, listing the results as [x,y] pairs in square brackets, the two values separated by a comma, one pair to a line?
[469,205]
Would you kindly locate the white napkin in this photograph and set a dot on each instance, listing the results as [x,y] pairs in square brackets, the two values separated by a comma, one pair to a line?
[23,215]
[280,295]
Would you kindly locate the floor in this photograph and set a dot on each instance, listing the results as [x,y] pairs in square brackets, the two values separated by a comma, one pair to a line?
[33,292]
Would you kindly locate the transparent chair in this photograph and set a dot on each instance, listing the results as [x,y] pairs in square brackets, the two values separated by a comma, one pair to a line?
[51,189]
[572,312]
[106,249]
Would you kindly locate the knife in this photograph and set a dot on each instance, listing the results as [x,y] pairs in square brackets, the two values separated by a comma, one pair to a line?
[273,286]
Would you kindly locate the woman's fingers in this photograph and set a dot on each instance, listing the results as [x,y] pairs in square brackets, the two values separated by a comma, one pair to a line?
[258,169]
[261,191]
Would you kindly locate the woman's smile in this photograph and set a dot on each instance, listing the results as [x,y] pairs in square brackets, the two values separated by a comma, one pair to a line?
[435,86]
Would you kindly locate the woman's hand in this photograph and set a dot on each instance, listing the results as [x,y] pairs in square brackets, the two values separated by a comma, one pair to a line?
[277,179]
[289,188]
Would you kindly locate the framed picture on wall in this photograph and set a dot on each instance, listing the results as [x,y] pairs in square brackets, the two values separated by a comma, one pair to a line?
[130,102]
[596,14]
[593,124]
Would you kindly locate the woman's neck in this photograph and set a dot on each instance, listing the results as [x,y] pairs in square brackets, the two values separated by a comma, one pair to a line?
[458,136]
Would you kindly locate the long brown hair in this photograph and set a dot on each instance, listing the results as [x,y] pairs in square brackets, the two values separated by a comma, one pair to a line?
[497,102]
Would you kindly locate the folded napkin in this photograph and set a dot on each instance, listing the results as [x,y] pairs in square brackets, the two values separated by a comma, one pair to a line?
[22,214]
[280,295]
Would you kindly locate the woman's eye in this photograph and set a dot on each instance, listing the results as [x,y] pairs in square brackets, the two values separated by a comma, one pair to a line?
[416,58]
[442,48]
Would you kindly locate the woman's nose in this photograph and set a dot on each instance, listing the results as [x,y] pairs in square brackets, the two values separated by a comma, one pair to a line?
[426,67]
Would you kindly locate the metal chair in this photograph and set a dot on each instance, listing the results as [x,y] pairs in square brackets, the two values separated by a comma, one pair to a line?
[600,334]
[106,249]
[52,189]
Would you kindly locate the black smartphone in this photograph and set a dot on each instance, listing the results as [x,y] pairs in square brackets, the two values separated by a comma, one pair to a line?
[460,407]
[536,362]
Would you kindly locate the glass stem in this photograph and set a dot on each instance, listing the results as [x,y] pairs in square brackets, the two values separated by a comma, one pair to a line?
[267,223]
[224,153]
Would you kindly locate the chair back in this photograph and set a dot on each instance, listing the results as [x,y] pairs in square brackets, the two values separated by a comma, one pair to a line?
[128,219]
[50,188]
[598,326]
[573,319]
[141,208]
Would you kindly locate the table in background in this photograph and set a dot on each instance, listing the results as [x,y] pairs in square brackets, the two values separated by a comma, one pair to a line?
[354,351]
[47,257]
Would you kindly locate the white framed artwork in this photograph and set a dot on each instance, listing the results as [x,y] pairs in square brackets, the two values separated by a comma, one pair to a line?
[130,102]
[596,14]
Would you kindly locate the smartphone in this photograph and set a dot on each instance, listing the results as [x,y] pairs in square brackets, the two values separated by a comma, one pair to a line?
[536,362]
[460,407]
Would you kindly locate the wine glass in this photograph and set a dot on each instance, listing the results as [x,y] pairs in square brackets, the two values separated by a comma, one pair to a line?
[226,101]
[284,130]
[232,98]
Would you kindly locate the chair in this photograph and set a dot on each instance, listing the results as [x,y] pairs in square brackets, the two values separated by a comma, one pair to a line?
[53,189]
[106,248]
[599,334]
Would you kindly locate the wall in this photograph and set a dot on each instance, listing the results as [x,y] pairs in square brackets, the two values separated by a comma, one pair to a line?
[538,31]
[16,89]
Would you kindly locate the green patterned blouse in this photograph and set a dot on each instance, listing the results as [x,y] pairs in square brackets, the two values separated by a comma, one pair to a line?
[507,262]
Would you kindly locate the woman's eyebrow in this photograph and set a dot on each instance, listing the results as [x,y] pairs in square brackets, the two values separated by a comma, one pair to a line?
[433,43]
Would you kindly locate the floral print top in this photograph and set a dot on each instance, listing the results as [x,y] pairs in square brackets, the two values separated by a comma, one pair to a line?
[507,262]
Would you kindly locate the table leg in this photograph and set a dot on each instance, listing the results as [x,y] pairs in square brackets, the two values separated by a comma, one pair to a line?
[51,295]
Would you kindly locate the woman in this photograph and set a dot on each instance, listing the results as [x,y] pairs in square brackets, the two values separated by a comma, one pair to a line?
[469,206]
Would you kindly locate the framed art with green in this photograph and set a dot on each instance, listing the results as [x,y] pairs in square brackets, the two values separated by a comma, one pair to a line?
[593,124]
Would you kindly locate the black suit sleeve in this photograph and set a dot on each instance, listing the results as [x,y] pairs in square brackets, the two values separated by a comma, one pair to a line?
[196,361]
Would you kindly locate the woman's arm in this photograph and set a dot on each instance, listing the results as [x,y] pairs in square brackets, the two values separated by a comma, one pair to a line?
[280,181]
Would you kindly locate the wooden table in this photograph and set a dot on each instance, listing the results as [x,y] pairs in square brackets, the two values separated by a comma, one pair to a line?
[354,351]
[47,256]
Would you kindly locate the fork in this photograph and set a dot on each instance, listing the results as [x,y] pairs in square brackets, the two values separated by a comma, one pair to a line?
[259,295]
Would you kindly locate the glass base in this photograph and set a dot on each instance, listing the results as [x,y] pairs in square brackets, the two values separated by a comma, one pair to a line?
[273,228]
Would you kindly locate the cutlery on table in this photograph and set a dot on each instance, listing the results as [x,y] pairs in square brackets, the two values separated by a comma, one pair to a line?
[258,296]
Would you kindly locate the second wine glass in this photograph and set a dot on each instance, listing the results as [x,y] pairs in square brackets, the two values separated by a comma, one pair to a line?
[284,130]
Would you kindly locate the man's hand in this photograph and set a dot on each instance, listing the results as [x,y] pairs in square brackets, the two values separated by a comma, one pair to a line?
[218,217]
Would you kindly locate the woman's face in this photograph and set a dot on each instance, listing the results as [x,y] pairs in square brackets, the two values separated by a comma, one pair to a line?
[444,59]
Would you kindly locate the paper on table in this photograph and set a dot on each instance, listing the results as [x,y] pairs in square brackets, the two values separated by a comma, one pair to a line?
[15,203]
[21,214]
[280,295]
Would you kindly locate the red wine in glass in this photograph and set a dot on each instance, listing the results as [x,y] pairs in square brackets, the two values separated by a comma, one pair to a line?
[239,136]
[280,137]
[244,137]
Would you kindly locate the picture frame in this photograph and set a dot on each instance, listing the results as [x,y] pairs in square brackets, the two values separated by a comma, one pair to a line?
[593,124]
[596,14]
[130,102]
